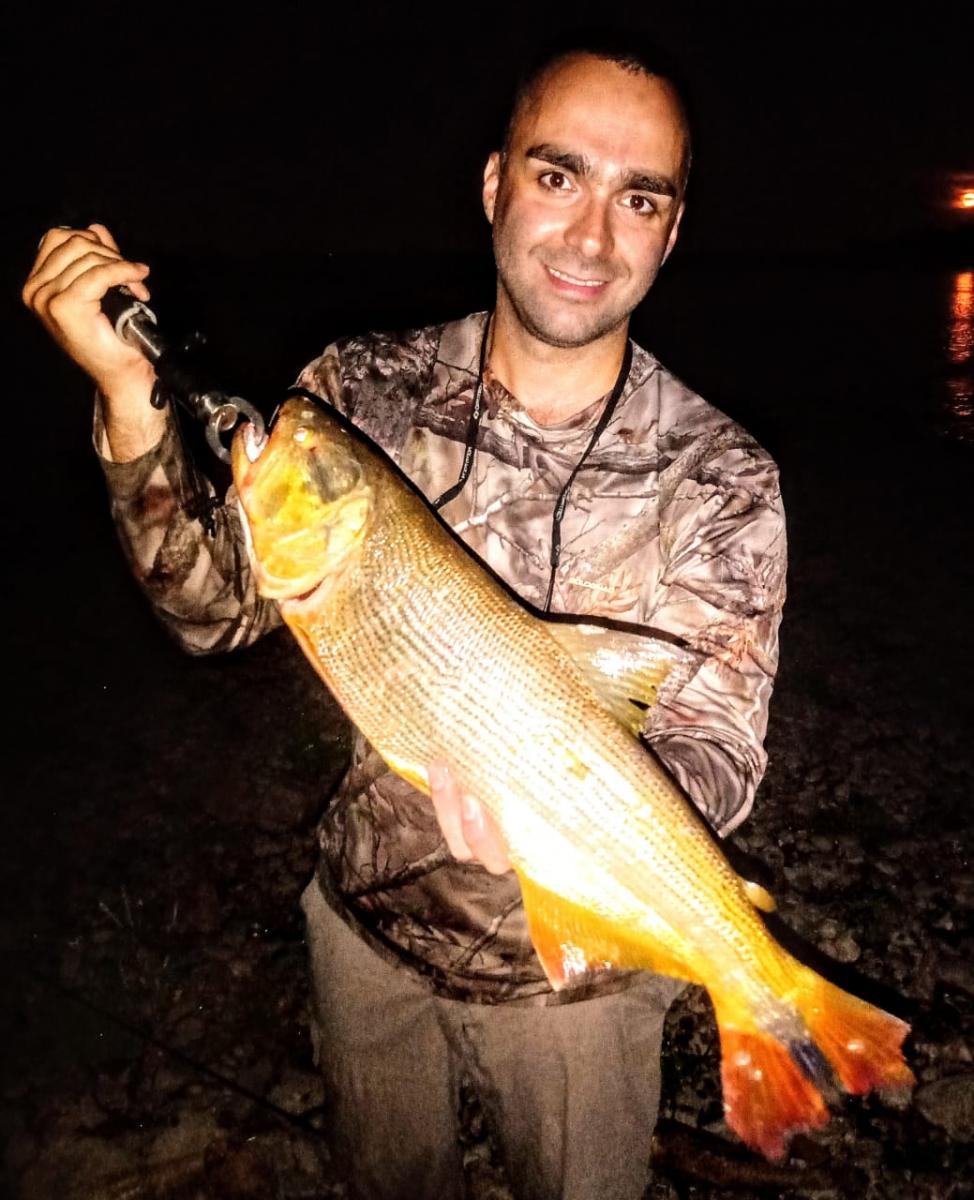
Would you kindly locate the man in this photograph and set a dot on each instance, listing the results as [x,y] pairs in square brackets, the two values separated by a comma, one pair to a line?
[599,485]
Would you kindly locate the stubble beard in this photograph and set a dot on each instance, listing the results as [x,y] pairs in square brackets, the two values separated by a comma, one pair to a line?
[562,330]
[539,324]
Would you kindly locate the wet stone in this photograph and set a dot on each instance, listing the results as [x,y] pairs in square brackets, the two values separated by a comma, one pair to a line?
[899,1099]
[949,1104]
[243,1174]
[201,911]
[957,973]
[845,948]
[957,1050]
[298,1091]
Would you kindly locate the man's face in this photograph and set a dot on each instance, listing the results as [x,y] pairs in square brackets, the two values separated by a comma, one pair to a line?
[586,202]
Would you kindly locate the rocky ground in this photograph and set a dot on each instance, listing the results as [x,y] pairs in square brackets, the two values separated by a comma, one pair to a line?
[154,1019]
[156,1029]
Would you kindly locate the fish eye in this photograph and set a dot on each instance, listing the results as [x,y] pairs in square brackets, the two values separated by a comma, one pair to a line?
[301,434]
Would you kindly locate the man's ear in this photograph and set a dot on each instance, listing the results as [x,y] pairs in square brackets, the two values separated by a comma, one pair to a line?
[675,229]
[492,177]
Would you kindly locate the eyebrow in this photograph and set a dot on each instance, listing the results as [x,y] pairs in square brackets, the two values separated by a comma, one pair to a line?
[578,164]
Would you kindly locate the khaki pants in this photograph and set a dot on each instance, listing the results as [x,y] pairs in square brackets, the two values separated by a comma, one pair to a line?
[571,1091]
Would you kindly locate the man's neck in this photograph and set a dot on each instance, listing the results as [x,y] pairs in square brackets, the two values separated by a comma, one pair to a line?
[552,383]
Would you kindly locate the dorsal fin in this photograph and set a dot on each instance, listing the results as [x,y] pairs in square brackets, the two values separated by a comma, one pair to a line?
[629,671]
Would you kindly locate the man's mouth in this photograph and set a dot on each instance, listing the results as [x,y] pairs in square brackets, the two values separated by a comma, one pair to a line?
[575,281]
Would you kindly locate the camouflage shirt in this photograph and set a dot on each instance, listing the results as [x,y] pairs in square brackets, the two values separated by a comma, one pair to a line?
[674,523]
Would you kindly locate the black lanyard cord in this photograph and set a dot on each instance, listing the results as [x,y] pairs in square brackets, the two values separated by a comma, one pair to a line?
[562,502]
[473,426]
[470,449]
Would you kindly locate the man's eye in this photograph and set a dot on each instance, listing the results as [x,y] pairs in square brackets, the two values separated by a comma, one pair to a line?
[642,205]
[555,181]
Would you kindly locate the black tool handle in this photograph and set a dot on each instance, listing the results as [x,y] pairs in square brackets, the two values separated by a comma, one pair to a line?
[134,322]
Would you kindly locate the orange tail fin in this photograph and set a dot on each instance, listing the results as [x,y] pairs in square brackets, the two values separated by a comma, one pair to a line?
[771,1086]
[767,1096]
[862,1042]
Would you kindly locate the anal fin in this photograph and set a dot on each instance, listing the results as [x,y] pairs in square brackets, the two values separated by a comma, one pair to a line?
[574,943]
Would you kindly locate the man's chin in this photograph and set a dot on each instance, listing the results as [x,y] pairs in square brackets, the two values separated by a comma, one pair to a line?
[571,334]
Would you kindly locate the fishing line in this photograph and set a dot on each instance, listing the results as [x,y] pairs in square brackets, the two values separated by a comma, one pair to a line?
[296,1119]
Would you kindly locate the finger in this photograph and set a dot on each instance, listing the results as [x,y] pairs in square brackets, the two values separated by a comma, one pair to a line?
[74,268]
[102,233]
[57,237]
[83,267]
[50,244]
[54,236]
[57,253]
[446,803]
[89,278]
[481,834]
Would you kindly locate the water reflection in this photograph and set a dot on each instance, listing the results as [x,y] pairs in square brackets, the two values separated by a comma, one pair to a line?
[960,355]
[960,343]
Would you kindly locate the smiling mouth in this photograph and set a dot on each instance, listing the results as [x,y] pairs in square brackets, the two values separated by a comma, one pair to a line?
[571,279]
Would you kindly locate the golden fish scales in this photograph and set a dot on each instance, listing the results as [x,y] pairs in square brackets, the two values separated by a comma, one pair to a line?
[434,660]
[380,640]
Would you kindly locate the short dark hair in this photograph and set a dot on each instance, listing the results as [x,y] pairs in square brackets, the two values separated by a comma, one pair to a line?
[632,51]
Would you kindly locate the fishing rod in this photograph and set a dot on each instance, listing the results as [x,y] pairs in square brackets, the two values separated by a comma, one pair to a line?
[136,324]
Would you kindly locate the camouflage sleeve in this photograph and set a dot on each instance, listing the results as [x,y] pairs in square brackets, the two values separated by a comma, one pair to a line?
[200,586]
[323,376]
[722,533]
[377,381]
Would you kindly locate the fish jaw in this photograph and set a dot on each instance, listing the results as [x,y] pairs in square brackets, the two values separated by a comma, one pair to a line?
[248,444]
[304,500]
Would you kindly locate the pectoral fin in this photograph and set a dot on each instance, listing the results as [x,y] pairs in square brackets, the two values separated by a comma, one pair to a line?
[574,943]
[629,671]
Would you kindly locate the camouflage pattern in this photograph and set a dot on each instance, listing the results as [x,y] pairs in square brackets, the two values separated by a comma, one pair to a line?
[674,523]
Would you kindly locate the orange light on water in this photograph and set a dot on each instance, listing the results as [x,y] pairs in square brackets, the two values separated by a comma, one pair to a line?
[965,200]
[960,335]
[960,353]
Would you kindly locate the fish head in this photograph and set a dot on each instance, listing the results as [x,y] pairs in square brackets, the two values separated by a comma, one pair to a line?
[304,496]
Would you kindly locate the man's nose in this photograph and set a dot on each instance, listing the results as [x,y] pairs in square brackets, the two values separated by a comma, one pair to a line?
[590,232]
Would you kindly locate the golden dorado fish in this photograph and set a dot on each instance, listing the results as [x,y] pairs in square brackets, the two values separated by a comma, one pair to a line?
[435,661]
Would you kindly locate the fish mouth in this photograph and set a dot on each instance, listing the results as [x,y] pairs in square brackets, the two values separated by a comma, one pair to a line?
[288,590]
[253,441]
[296,604]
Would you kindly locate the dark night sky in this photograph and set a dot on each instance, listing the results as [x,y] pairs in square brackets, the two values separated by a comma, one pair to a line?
[211,131]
